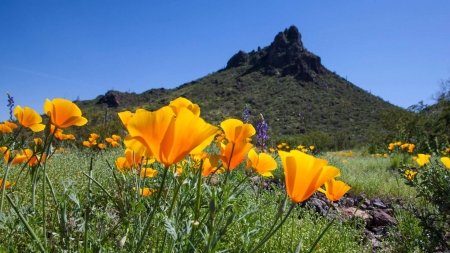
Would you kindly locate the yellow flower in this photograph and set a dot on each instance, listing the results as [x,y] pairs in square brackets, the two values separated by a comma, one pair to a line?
[7,184]
[334,190]
[115,144]
[409,174]
[304,174]
[391,146]
[168,138]
[18,158]
[311,147]
[446,162]
[344,161]
[262,163]
[5,129]
[64,113]
[148,172]
[236,131]
[101,146]
[87,144]
[38,141]
[145,192]
[29,118]
[234,154]
[423,159]
[210,165]
[116,137]
[411,148]
[10,125]
[124,164]
[185,103]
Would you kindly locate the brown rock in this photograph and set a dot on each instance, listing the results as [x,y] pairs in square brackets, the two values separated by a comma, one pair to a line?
[380,218]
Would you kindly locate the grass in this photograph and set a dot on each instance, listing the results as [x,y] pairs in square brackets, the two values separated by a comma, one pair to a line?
[364,174]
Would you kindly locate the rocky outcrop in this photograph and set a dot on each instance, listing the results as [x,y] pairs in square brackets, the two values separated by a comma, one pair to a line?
[109,98]
[237,60]
[285,56]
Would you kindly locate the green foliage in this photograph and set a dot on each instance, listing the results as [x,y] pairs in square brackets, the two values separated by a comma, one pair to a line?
[432,183]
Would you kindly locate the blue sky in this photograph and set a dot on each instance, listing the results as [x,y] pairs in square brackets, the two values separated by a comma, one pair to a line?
[397,50]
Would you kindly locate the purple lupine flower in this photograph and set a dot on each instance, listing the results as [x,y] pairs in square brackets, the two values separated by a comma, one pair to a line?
[246,115]
[10,105]
[261,134]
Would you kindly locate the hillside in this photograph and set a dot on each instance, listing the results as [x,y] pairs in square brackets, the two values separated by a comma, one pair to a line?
[284,81]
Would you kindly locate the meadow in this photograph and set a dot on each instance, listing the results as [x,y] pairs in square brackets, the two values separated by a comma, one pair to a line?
[175,183]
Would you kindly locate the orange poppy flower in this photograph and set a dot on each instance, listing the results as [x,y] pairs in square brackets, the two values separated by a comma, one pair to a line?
[5,129]
[186,103]
[131,159]
[29,118]
[262,163]
[210,165]
[64,113]
[234,154]
[304,174]
[236,131]
[334,190]
[145,192]
[166,137]
[7,184]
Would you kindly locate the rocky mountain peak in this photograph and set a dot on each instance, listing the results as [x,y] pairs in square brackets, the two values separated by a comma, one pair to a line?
[285,55]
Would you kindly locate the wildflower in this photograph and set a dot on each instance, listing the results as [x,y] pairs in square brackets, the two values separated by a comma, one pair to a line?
[7,184]
[236,131]
[334,190]
[411,148]
[145,191]
[304,174]
[64,113]
[38,141]
[124,164]
[311,148]
[180,102]
[10,105]
[246,115]
[262,163]
[391,146]
[409,174]
[10,125]
[18,158]
[446,162]
[101,146]
[210,165]
[166,137]
[69,137]
[148,172]
[423,159]
[261,134]
[5,129]
[87,144]
[271,150]
[32,158]
[115,144]
[115,137]
[234,154]
[29,118]
[344,161]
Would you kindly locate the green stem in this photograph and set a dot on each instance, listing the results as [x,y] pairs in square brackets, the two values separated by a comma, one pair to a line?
[88,209]
[152,213]
[4,186]
[320,236]
[273,231]
[27,226]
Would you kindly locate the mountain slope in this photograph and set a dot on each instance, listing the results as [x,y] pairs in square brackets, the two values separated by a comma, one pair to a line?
[286,83]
